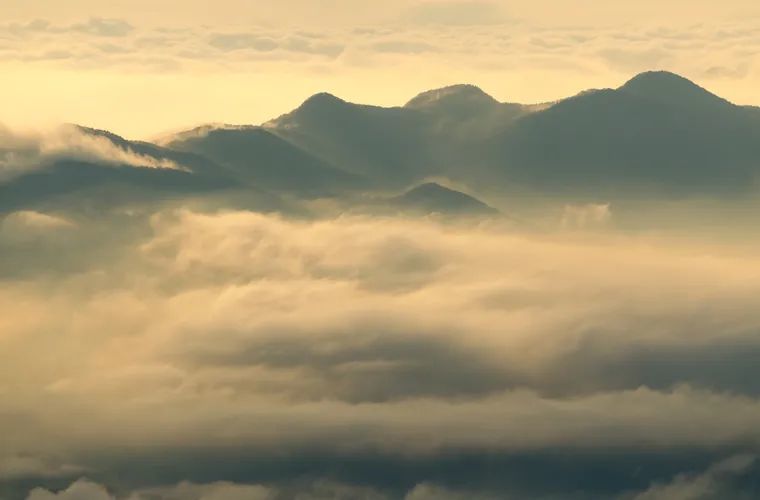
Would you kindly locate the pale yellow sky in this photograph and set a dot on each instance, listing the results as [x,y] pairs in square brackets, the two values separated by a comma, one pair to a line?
[144,67]
[323,12]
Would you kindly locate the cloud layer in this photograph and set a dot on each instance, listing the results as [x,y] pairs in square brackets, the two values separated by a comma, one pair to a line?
[476,34]
[374,340]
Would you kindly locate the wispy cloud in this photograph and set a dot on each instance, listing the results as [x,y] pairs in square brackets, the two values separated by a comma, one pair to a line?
[21,153]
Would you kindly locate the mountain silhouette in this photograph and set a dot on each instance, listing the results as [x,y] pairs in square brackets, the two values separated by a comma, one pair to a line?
[461,100]
[387,145]
[435,132]
[673,90]
[434,198]
[458,115]
[464,102]
[94,185]
[658,135]
[90,185]
[261,158]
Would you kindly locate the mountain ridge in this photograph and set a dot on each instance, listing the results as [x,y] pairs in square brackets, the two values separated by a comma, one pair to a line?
[659,134]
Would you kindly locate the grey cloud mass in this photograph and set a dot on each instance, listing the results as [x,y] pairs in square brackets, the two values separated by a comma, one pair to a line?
[373,340]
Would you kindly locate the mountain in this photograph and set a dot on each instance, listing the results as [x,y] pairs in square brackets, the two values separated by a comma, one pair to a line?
[197,164]
[102,170]
[657,134]
[258,157]
[92,185]
[432,134]
[458,118]
[78,180]
[386,145]
[674,90]
[434,198]
[463,103]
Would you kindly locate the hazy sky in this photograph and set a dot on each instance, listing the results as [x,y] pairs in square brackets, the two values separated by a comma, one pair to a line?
[164,340]
[145,67]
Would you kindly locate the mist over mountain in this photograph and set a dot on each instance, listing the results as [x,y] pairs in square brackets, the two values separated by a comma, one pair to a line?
[465,106]
[659,135]
[456,298]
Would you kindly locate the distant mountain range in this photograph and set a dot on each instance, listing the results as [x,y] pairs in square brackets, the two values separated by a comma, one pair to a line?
[659,135]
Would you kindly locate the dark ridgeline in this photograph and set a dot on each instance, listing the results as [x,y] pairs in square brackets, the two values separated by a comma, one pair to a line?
[257,157]
[659,135]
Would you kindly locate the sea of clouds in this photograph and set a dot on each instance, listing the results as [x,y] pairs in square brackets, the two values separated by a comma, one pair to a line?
[217,355]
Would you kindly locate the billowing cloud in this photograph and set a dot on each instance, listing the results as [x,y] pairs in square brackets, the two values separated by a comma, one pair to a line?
[722,479]
[20,467]
[317,490]
[80,490]
[29,223]
[213,491]
[366,339]
[718,481]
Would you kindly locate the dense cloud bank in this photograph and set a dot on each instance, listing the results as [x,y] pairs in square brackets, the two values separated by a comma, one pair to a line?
[238,355]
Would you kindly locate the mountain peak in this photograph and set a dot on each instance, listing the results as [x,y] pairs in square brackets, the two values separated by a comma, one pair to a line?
[95,132]
[317,107]
[322,99]
[430,188]
[432,197]
[664,85]
[451,95]
[660,77]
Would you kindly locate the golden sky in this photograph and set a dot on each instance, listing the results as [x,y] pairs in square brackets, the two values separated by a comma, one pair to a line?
[165,339]
[144,67]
